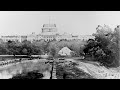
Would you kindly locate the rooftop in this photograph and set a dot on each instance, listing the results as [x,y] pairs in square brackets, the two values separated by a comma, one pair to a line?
[49,25]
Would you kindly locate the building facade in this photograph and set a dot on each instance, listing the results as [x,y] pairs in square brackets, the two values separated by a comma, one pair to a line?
[15,38]
[10,38]
[49,33]
[32,37]
[23,38]
[85,37]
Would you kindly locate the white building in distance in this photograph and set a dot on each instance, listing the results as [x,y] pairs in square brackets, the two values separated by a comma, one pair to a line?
[85,37]
[10,38]
[49,33]
[15,38]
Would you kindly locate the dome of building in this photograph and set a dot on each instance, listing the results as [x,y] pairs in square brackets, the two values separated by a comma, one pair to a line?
[49,28]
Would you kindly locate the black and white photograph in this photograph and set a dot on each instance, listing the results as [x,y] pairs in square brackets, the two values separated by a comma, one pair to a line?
[59,44]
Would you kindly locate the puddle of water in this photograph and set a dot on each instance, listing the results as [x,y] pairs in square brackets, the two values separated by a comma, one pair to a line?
[10,71]
[5,75]
[46,75]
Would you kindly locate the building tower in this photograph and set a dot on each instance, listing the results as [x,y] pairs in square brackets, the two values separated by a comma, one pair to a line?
[49,28]
[49,31]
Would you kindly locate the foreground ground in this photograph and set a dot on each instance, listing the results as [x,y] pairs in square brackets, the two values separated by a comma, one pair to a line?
[64,69]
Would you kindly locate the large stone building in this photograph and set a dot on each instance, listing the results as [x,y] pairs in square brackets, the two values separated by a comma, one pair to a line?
[85,37]
[23,38]
[15,38]
[49,33]
[10,38]
[32,37]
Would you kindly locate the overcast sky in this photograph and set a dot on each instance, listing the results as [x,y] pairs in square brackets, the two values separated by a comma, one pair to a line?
[73,22]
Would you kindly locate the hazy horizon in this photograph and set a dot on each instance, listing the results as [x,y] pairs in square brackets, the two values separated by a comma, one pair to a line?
[73,22]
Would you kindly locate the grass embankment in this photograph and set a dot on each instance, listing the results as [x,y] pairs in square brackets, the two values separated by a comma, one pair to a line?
[98,71]
[25,70]
[70,71]
[89,68]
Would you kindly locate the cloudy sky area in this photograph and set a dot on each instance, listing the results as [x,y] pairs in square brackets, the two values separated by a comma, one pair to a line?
[73,22]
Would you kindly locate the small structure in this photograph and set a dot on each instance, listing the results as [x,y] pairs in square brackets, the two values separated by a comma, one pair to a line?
[45,56]
[65,51]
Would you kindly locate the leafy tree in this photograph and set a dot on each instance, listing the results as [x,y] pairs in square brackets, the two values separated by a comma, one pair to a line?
[53,52]
[36,48]
[24,51]
[43,46]
[26,45]
[11,47]
[103,30]
[3,49]
[102,49]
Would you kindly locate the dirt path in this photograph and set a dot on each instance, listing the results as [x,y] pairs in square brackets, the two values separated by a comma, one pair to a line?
[98,72]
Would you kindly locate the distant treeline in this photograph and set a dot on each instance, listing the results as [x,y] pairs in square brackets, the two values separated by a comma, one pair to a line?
[39,47]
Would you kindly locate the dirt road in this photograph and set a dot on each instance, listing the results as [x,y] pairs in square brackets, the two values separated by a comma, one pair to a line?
[99,72]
